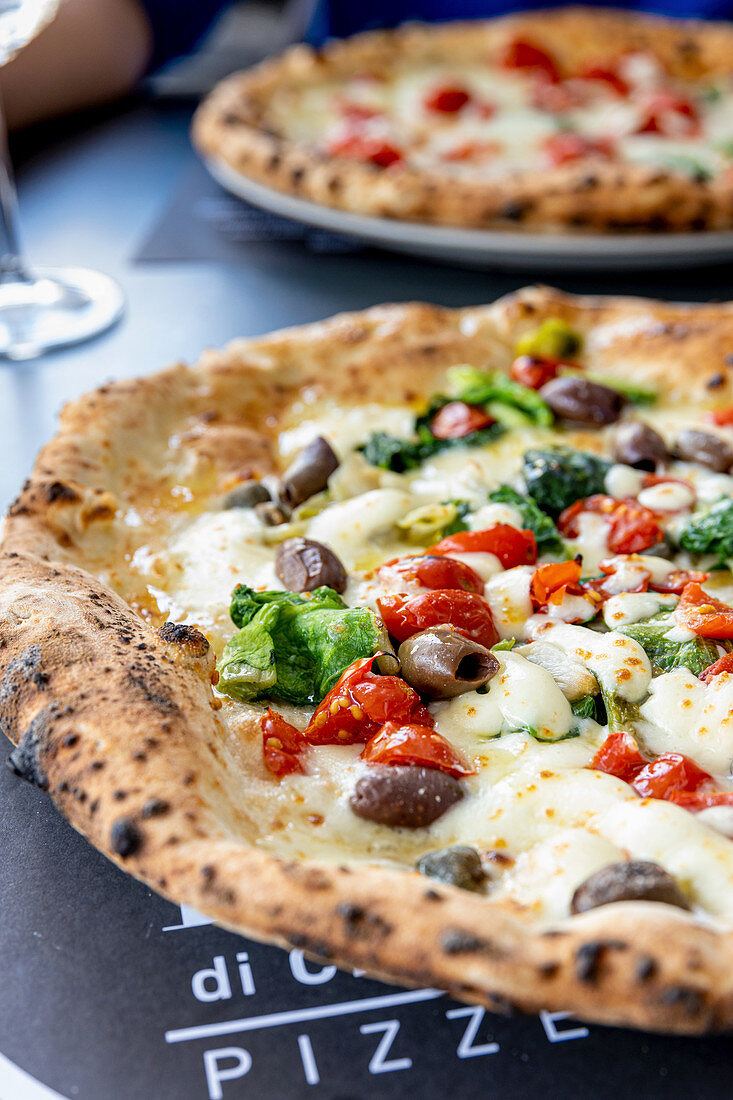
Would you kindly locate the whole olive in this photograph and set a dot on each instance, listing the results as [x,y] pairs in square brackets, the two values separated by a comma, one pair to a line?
[440,663]
[309,473]
[709,450]
[304,564]
[459,866]
[247,495]
[582,401]
[636,444]
[405,797]
[635,880]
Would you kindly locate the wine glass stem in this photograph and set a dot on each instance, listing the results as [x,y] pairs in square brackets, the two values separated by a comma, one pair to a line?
[12,265]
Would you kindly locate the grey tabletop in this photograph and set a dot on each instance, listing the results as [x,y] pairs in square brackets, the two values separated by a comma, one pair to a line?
[91,982]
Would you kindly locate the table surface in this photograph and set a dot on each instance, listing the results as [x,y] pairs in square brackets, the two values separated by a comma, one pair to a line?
[89,974]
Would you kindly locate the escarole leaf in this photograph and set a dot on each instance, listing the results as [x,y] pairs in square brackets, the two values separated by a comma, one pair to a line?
[556,478]
[711,532]
[389,452]
[293,647]
[620,714]
[533,518]
[666,653]
[495,389]
[590,706]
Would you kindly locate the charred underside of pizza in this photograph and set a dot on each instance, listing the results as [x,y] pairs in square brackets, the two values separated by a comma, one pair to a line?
[406,638]
[572,120]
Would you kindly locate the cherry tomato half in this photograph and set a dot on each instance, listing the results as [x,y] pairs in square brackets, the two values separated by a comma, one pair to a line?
[703,614]
[520,54]
[608,76]
[533,372]
[467,612]
[619,755]
[361,147]
[723,664]
[669,114]
[675,582]
[511,546]
[555,577]
[282,744]
[632,528]
[448,99]
[669,774]
[723,417]
[436,571]
[568,147]
[360,702]
[457,419]
[397,743]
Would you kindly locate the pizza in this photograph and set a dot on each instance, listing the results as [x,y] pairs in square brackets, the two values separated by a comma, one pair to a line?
[569,120]
[406,639]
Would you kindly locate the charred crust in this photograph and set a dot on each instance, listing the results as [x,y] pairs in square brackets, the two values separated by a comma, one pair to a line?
[188,637]
[588,962]
[155,807]
[548,970]
[690,1001]
[58,492]
[456,941]
[125,837]
[26,758]
[432,895]
[645,969]
[360,922]
[715,381]
[515,210]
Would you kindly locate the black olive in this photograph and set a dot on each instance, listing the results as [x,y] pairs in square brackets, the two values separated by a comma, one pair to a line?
[459,866]
[309,473]
[636,444]
[635,880]
[247,495]
[709,450]
[271,513]
[405,797]
[582,401]
[440,663]
[304,564]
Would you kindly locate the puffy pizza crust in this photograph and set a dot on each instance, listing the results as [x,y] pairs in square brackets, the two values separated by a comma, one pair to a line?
[114,714]
[234,125]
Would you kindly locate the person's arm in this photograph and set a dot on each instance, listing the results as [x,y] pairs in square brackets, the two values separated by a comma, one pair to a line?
[92,52]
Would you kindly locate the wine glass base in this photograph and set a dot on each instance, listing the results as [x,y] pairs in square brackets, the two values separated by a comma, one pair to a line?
[54,308]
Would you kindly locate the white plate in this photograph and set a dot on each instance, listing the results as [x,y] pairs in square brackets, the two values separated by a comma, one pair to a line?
[489,248]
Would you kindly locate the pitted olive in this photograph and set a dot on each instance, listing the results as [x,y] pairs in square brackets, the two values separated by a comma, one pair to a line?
[304,564]
[636,444]
[309,473]
[440,663]
[405,797]
[709,450]
[583,401]
[635,880]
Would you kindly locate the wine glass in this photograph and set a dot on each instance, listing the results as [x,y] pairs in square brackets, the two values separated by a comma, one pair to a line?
[42,308]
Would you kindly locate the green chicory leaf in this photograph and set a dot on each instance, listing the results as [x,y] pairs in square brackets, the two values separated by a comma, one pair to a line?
[555,479]
[534,519]
[665,653]
[293,647]
[711,532]
[479,387]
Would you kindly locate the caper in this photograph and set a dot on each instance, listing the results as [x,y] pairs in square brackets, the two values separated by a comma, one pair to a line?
[459,866]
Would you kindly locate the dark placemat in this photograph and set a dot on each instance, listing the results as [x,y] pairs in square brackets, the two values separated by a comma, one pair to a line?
[111,993]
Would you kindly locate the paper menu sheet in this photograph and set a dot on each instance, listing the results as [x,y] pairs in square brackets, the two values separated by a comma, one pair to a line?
[111,993]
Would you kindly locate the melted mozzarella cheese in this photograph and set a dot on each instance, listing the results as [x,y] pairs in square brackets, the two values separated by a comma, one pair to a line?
[632,607]
[689,716]
[366,523]
[507,594]
[619,663]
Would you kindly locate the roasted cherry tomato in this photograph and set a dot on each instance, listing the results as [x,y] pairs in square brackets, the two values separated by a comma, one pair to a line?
[619,755]
[557,577]
[362,147]
[675,582]
[282,744]
[702,799]
[457,419]
[467,612]
[397,743]
[533,372]
[448,99]
[608,76]
[521,54]
[569,146]
[554,97]
[510,545]
[357,112]
[668,775]
[631,527]
[723,664]
[703,614]
[722,417]
[360,702]
[436,571]
[669,114]
[474,150]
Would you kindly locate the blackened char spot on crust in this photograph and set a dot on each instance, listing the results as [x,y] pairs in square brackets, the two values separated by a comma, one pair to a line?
[456,941]
[58,492]
[515,210]
[589,955]
[315,949]
[23,670]
[188,637]
[125,838]
[715,381]
[147,683]
[155,807]
[689,1000]
[548,970]
[25,759]
[360,922]
[501,1005]
[646,968]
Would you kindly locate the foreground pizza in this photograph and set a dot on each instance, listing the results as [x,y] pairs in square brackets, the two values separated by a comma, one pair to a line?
[576,119]
[406,639]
